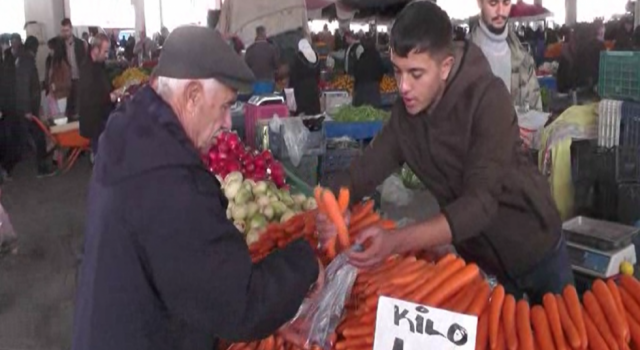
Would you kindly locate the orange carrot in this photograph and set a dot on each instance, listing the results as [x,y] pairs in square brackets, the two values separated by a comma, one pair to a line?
[610,309]
[461,302]
[541,328]
[408,275]
[362,210]
[336,216]
[453,284]
[596,341]
[343,199]
[615,292]
[553,316]
[634,330]
[523,325]
[358,330]
[509,321]
[597,316]
[569,328]
[482,337]
[317,194]
[570,297]
[632,286]
[438,278]
[495,311]
[630,304]
[502,341]
[367,221]
[352,343]
[480,301]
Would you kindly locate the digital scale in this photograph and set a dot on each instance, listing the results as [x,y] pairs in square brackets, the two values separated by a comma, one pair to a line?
[597,248]
[259,100]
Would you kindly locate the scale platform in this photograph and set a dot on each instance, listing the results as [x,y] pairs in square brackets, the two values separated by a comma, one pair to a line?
[597,248]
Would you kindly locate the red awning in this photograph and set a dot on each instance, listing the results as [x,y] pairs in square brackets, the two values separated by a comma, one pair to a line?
[523,11]
[318,4]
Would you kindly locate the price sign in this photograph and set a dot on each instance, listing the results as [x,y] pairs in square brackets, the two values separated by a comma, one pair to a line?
[401,325]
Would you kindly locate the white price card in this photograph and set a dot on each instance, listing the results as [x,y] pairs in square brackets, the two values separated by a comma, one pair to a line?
[401,325]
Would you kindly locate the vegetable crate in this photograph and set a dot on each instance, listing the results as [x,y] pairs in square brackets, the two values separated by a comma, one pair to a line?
[315,145]
[354,130]
[619,75]
[336,161]
[305,173]
[596,199]
[590,163]
[629,203]
[388,99]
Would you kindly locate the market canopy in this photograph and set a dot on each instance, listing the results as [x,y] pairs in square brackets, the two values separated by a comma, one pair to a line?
[528,12]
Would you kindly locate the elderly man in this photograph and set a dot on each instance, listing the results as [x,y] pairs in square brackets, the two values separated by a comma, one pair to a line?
[509,60]
[163,267]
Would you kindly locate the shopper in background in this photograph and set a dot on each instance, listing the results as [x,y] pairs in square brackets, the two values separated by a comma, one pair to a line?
[59,79]
[76,55]
[9,126]
[97,98]
[456,128]
[624,35]
[262,59]
[145,47]
[353,53]
[28,97]
[304,77]
[163,267]
[368,73]
[579,63]
[509,60]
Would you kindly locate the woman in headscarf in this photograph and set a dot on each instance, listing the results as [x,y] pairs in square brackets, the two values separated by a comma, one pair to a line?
[368,73]
[304,78]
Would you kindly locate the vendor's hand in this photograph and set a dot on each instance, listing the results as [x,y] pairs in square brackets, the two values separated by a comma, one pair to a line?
[326,229]
[381,245]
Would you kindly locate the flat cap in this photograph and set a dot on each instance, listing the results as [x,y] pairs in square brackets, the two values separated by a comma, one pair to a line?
[192,52]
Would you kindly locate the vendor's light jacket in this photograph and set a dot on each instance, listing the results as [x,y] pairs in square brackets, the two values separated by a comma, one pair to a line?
[163,268]
[467,152]
[525,88]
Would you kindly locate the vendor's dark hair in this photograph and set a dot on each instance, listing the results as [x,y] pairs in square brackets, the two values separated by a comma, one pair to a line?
[423,27]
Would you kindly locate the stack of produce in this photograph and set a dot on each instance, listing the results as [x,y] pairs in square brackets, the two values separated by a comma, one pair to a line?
[607,318]
[131,76]
[252,205]
[229,154]
[348,113]
[342,82]
[388,85]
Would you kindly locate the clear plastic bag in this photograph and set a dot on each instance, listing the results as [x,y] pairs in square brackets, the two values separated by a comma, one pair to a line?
[295,137]
[8,236]
[323,312]
[393,191]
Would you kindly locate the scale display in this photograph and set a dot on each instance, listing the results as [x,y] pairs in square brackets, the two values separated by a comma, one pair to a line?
[588,260]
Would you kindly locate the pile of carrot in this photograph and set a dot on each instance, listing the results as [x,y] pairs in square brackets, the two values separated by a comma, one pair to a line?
[607,318]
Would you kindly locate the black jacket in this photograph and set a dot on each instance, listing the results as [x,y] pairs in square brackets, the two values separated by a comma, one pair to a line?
[7,82]
[163,268]
[94,100]
[28,85]
[304,79]
[80,47]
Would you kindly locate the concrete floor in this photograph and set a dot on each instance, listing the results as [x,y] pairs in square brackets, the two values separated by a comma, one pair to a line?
[37,283]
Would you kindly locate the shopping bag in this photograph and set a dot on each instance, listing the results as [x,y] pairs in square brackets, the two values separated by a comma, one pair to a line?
[319,316]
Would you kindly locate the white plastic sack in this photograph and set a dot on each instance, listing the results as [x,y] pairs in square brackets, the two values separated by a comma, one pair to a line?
[295,137]
[393,191]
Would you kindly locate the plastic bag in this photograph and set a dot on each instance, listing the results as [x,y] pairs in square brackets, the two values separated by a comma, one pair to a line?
[295,137]
[393,191]
[323,312]
[7,235]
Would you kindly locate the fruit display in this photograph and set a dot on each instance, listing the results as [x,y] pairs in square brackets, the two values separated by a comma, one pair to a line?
[131,76]
[608,317]
[348,113]
[388,85]
[252,205]
[229,154]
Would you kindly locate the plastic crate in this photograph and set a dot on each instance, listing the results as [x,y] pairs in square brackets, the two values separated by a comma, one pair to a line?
[596,199]
[336,161]
[297,185]
[619,75]
[253,113]
[388,99]
[237,121]
[629,203]
[315,145]
[591,163]
[306,172]
[356,130]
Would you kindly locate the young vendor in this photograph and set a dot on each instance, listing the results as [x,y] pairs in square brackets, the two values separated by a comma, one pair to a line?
[455,126]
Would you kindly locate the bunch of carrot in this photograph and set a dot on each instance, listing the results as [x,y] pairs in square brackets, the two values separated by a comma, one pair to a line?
[362,216]
[607,319]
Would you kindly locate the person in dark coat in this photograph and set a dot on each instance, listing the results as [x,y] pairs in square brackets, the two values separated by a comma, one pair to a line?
[163,267]
[304,78]
[262,58]
[368,73]
[76,55]
[13,125]
[28,102]
[96,95]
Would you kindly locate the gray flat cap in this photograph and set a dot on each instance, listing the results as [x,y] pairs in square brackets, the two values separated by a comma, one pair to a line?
[193,52]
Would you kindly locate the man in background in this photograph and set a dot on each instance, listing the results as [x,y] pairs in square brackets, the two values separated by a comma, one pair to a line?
[262,59]
[96,96]
[509,60]
[145,47]
[13,142]
[76,54]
